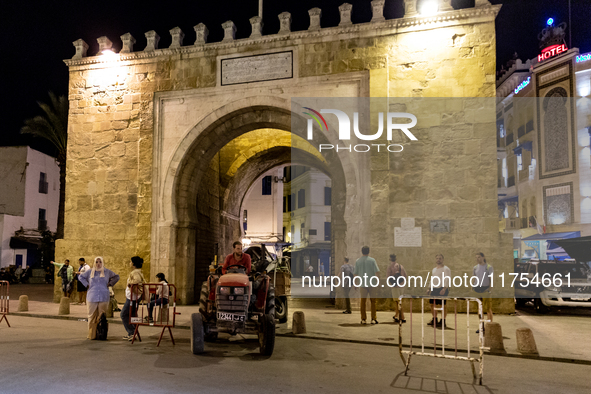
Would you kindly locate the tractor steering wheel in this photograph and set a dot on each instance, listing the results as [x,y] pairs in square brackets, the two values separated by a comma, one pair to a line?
[235,266]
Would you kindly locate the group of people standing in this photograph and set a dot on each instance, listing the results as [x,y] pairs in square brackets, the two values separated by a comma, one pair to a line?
[95,285]
[367,266]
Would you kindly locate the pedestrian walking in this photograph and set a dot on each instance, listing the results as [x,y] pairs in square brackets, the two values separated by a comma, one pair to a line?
[347,272]
[133,294]
[482,270]
[66,272]
[366,268]
[97,281]
[442,272]
[80,288]
[395,271]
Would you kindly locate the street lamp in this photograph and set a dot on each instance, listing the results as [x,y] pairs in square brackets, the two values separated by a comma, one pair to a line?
[428,8]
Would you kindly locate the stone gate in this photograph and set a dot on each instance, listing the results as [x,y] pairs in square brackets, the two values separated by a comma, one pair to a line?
[164,142]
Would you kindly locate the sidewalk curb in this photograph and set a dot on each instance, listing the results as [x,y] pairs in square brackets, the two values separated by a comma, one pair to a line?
[342,340]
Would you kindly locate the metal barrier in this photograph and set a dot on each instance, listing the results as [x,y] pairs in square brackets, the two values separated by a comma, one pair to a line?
[454,355]
[4,301]
[165,309]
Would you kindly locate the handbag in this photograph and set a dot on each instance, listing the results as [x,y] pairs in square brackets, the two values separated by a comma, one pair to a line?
[102,328]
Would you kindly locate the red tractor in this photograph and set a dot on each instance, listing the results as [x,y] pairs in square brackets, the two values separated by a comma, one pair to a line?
[235,303]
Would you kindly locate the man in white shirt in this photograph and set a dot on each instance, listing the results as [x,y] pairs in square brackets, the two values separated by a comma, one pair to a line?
[80,288]
[444,274]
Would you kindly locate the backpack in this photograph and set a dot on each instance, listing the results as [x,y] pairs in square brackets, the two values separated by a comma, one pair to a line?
[102,328]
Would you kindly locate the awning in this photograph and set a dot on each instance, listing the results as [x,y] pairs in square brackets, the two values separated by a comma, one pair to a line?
[565,235]
[508,199]
[577,248]
[24,243]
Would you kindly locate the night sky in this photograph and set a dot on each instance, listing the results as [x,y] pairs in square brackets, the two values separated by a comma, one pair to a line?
[38,35]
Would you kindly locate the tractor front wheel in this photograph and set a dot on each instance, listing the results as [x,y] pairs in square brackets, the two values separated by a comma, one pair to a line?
[197,336]
[267,335]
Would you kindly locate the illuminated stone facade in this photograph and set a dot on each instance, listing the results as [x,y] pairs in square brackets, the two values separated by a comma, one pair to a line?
[149,165]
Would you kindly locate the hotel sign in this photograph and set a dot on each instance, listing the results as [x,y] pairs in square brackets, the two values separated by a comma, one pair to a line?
[551,51]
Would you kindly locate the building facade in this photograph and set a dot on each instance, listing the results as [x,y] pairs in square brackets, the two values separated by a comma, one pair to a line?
[29,200]
[543,157]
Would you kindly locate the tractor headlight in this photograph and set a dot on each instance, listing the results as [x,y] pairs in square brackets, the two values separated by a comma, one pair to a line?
[224,290]
[239,290]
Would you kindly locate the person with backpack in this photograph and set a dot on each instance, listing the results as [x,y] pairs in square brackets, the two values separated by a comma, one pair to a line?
[97,282]
[134,293]
[347,272]
[482,271]
[162,294]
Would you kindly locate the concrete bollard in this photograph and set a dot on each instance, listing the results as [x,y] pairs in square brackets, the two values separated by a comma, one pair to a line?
[23,303]
[493,338]
[299,323]
[64,306]
[526,344]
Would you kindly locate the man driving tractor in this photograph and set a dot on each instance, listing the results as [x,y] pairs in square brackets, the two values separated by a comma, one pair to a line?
[237,258]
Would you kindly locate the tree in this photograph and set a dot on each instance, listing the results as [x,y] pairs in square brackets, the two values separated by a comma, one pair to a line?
[53,126]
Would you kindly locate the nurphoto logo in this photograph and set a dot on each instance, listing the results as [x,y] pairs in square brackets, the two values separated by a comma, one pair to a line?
[344,123]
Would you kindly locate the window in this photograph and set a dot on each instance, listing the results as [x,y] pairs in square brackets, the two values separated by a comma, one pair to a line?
[327,231]
[287,174]
[288,203]
[244,219]
[327,195]
[284,203]
[43,185]
[312,231]
[42,222]
[301,198]
[267,182]
[519,162]
[293,202]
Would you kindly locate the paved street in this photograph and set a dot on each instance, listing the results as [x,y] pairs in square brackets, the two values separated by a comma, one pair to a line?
[48,355]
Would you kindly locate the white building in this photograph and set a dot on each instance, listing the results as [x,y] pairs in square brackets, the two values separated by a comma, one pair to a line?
[261,214]
[307,219]
[544,132]
[29,200]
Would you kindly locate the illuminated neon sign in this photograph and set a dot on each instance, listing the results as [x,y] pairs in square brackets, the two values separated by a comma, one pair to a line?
[552,51]
[522,85]
[583,58]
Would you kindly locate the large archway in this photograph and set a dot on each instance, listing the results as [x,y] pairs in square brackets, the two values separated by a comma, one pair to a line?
[199,209]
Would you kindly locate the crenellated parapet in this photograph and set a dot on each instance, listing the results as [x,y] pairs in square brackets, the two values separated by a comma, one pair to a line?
[414,19]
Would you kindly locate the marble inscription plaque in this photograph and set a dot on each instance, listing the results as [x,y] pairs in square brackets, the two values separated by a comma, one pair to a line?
[257,68]
[407,238]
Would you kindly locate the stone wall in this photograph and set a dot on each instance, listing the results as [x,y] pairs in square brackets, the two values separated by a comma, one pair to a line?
[112,123]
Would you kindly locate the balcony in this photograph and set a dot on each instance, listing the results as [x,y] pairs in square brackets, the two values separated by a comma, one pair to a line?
[512,224]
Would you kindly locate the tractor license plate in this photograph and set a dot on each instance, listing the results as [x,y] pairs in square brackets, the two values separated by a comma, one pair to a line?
[230,316]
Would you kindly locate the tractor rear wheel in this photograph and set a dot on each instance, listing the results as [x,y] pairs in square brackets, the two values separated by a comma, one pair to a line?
[267,335]
[203,297]
[197,337]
